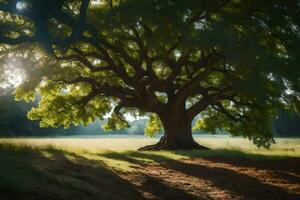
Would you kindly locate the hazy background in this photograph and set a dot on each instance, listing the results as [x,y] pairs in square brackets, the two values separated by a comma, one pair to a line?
[13,122]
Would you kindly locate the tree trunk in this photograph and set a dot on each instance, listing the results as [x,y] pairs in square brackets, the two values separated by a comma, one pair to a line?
[178,132]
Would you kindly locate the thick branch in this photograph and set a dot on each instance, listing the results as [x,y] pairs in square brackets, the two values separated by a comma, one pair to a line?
[79,28]
[194,84]
[86,63]
[16,41]
[235,117]
[200,106]
[106,89]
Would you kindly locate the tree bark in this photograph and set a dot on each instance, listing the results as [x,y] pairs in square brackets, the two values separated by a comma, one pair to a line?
[178,132]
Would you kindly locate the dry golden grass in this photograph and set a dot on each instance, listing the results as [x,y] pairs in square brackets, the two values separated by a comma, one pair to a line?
[283,146]
[104,149]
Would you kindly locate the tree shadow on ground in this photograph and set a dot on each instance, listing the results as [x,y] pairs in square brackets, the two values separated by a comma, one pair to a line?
[158,188]
[287,168]
[48,173]
[242,159]
[237,184]
[54,174]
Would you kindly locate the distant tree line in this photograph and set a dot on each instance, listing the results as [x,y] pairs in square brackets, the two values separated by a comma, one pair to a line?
[287,124]
[14,122]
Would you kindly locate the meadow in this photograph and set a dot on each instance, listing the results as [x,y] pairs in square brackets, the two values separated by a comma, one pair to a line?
[111,168]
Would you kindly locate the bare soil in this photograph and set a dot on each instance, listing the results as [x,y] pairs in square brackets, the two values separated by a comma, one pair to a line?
[218,178]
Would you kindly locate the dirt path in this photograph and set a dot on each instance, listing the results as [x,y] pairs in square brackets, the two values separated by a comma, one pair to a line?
[217,178]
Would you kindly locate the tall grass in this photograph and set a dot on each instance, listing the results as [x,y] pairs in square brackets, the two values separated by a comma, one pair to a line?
[283,147]
[121,152]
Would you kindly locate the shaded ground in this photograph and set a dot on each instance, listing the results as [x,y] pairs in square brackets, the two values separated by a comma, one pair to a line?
[218,179]
[48,173]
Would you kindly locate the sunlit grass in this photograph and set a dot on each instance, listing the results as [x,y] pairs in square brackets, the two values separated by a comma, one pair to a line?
[283,146]
[120,153]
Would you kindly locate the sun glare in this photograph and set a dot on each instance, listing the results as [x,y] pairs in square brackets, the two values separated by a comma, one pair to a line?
[15,77]
[12,76]
[96,2]
[21,5]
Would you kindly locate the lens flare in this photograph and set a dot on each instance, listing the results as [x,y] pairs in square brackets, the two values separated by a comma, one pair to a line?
[21,5]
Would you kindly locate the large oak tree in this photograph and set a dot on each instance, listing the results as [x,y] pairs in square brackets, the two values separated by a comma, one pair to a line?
[228,63]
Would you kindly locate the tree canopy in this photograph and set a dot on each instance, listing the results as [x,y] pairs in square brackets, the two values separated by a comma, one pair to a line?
[230,62]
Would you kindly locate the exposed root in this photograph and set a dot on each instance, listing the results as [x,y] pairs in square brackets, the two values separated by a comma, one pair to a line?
[155,147]
[199,147]
[161,145]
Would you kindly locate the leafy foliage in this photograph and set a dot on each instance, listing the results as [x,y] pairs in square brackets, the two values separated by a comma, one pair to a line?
[115,123]
[153,126]
[233,61]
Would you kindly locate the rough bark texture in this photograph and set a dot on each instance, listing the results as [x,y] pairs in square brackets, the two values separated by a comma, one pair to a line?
[178,132]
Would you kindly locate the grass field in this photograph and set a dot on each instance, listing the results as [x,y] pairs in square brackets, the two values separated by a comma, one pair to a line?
[110,168]
[282,147]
